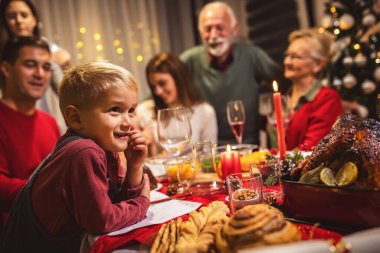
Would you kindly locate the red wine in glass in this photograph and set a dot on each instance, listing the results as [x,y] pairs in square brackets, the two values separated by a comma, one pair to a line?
[238,128]
[236,118]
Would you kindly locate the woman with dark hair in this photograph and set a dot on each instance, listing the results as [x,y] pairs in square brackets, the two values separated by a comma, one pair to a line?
[19,18]
[171,86]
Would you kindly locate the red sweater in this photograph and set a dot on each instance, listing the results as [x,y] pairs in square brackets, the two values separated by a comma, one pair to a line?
[313,120]
[24,142]
[70,192]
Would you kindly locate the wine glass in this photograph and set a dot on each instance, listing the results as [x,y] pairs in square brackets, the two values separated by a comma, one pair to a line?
[174,129]
[236,118]
[267,109]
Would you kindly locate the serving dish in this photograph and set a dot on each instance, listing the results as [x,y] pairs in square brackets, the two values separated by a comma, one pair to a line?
[343,206]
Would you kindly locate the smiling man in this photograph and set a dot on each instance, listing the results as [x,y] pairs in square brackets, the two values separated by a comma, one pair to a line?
[225,70]
[27,135]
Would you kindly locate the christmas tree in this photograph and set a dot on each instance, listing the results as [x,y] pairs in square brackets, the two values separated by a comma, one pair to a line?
[355,71]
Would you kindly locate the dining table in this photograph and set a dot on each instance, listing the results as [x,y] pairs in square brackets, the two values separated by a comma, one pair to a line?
[141,238]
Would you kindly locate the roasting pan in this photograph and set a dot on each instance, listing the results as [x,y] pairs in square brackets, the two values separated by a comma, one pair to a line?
[342,206]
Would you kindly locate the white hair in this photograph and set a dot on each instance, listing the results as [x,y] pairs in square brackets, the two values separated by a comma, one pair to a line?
[217,4]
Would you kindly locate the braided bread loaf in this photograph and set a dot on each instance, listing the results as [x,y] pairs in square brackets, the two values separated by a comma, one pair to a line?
[198,233]
[253,226]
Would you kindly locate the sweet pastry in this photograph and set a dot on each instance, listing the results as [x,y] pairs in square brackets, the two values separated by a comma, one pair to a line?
[254,226]
[152,179]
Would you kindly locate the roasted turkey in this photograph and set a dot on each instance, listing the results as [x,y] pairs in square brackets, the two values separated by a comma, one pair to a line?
[350,139]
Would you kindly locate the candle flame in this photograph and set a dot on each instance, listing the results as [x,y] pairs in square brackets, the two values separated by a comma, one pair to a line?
[228,148]
[275,87]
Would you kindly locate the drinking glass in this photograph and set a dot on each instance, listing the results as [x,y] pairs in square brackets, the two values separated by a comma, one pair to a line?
[206,179]
[236,118]
[187,169]
[244,189]
[270,172]
[174,129]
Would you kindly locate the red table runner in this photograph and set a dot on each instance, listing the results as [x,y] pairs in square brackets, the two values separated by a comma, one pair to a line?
[107,243]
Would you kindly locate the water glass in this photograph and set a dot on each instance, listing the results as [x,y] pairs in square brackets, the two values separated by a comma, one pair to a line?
[244,189]
[186,172]
[207,179]
[271,173]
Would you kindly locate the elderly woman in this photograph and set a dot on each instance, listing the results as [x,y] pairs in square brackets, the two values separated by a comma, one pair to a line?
[314,108]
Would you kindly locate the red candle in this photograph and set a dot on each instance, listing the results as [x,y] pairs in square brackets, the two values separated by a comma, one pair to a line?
[279,120]
[230,160]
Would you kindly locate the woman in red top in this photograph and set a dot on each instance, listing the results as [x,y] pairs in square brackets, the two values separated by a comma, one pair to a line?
[314,108]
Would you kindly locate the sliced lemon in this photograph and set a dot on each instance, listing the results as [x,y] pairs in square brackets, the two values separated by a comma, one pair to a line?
[327,177]
[347,174]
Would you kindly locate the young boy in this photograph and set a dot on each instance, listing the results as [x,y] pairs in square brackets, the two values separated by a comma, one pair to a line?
[77,189]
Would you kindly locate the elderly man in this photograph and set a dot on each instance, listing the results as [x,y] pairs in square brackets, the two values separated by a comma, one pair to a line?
[224,70]
[27,135]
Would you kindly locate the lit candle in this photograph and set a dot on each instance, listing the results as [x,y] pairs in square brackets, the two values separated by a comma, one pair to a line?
[230,160]
[279,120]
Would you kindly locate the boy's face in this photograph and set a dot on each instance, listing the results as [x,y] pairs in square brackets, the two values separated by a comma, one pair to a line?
[109,121]
[28,77]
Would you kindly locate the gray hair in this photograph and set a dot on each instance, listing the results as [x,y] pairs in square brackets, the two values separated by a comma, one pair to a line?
[217,4]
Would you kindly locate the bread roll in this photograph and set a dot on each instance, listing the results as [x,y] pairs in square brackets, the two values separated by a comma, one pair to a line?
[253,226]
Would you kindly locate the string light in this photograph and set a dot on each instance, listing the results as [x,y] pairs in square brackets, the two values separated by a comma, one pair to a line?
[119,50]
[139,58]
[97,36]
[336,31]
[99,47]
[321,30]
[82,30]
[80,44]
[116,43]
[357,46]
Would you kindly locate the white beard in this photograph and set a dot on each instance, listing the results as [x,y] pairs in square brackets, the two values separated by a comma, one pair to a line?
[220,49]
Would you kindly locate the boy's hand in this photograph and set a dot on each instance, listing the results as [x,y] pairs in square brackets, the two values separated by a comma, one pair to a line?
[146,189]
[136,151]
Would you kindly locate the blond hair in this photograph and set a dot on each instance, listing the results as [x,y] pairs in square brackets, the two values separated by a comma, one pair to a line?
[83,84]
[217,4]
[323,43]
